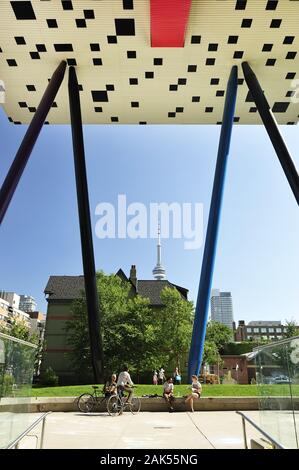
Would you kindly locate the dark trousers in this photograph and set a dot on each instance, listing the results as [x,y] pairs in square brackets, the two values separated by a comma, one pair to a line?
[169,398]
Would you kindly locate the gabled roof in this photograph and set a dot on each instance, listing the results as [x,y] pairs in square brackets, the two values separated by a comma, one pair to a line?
[152,290]
[64,287]
[71,287]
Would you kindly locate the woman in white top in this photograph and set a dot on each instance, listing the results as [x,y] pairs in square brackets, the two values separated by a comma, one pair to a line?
[196,390]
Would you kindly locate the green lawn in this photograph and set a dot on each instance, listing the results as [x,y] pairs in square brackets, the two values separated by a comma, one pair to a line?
[180,390]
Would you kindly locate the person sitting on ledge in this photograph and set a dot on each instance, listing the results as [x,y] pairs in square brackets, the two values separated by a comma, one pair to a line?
[168,393]
[196,390]
[110,387]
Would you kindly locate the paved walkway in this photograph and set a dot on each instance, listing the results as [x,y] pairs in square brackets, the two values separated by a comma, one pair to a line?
[199,430]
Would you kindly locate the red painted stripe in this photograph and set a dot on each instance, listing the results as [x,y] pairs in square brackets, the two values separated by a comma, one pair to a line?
[169,22]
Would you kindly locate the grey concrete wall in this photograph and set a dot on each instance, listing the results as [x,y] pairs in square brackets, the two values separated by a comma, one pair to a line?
[41,404]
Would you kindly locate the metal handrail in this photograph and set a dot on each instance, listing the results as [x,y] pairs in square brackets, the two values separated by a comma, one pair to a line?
[15,444]
[276,444]
[274,344]
[18,340]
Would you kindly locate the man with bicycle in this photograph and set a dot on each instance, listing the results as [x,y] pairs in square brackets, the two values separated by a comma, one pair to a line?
[125,383]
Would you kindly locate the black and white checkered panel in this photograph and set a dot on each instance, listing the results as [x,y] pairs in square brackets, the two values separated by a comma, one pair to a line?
[123,80]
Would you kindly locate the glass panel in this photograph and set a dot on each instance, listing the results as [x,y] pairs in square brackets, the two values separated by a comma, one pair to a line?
[278,379]
[293,355]
[16,373]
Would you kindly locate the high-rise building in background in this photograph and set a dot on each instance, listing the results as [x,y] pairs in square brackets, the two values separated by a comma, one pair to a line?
[222,307]
[27,303]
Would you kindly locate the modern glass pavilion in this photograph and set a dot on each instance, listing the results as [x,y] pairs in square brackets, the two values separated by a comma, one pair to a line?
[149,62]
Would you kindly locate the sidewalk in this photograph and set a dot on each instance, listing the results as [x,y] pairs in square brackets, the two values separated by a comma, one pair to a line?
[199,430]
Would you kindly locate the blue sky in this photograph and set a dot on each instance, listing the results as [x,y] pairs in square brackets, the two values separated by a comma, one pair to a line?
[258,251]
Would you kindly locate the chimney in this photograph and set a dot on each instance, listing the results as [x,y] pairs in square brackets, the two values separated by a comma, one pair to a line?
[133,275]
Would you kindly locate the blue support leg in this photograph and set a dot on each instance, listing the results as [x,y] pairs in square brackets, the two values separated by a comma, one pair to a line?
[203,297]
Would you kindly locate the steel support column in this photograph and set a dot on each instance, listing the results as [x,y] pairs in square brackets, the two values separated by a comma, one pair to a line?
[22,156]
[91,292]
[271,126]
[203,297]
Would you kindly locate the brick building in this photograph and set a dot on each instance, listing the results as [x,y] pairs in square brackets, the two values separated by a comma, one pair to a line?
[259,330]
[241,368]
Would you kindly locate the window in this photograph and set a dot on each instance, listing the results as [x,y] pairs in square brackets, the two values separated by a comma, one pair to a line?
[249,330]
[263,330]
[271,330]
[278,330]
[256,330]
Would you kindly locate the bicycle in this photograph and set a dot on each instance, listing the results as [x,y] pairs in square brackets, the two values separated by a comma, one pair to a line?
[116,405]
[88,401]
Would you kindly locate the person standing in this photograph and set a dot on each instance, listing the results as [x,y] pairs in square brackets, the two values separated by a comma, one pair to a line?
[168,393]
[161,375]
[155,378]
[177,376]
[196,390]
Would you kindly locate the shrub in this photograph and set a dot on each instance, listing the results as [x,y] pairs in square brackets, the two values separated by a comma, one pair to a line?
[238,348]
[49,378]
[6,386]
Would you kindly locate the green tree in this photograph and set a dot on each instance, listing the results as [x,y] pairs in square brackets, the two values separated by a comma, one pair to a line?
[292,328]
[129,339]
[173,326]
[19,328]
[128,336]
[133,333]
[219,334]
[211,353]
[21,359]
[78,338]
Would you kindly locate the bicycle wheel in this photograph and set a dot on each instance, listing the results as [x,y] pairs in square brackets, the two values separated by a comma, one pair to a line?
[86,403]
[114,405]
[135,405]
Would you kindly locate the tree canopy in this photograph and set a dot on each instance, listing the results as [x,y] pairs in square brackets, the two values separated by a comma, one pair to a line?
[292,329]
[19,328]
[217,336]
[133,333]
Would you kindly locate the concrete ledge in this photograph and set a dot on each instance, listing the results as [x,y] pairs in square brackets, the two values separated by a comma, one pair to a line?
[42,404]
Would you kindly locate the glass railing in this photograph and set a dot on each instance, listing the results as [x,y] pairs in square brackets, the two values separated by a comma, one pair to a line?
[16,372]
[277,374]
